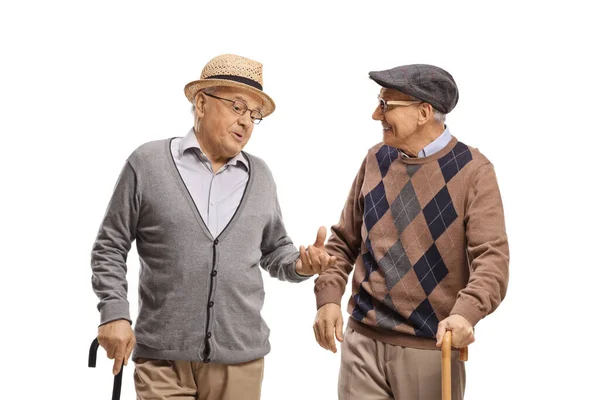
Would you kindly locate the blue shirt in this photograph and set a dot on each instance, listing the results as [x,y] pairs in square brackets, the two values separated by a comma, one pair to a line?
[438,144]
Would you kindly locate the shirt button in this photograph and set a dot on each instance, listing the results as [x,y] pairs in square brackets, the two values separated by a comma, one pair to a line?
[208,335]
[214,273]
[216,242]
[212,303]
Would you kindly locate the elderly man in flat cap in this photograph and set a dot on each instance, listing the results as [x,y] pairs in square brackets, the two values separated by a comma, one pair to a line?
[204,215]
[424,225]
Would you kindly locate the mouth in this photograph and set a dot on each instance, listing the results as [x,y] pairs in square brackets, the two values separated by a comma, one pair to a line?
[239,137]
[386,128]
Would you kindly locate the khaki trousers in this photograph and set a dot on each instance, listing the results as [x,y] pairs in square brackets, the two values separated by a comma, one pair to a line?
[186,380]
[373,370]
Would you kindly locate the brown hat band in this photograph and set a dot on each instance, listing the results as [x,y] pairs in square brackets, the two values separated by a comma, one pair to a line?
[239,79]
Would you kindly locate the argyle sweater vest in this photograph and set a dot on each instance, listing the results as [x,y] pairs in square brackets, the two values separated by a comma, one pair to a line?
[428,239]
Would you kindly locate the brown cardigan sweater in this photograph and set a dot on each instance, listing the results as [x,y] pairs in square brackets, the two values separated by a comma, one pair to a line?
[428,239]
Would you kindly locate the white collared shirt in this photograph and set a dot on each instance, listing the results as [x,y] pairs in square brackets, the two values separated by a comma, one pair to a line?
[217,194]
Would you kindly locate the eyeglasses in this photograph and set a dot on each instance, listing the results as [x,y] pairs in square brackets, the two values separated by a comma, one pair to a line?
[240,108]
[384,104]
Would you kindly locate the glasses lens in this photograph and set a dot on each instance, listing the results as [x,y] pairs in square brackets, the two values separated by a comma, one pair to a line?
[239,107]
[256,116]
[382,105]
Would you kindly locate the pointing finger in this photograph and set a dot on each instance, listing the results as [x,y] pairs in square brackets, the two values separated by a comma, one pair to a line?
[321,235]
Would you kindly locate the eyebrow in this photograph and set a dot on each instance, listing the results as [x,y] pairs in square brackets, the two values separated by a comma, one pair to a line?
[238,97]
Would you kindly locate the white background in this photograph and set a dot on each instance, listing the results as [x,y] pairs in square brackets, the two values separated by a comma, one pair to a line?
[82,84]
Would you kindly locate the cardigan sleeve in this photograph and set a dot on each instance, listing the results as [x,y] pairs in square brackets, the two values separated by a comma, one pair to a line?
[113,242]
[279,255]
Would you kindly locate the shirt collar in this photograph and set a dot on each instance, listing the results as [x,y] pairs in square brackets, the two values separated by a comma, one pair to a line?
[191,142]
[438,144]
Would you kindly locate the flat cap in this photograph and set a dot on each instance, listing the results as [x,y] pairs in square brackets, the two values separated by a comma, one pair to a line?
[427,83]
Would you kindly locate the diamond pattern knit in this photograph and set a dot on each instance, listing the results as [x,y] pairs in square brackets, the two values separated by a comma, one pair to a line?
[416,228]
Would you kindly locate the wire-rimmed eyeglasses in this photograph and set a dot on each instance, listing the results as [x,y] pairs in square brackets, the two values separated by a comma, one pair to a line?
[239,107]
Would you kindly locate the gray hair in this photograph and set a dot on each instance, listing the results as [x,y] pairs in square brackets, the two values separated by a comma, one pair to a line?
[439,116]
[208,90]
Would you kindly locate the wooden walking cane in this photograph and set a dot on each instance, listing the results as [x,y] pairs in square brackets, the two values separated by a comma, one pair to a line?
[446,364]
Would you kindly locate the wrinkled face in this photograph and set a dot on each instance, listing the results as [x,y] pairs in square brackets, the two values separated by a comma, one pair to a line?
[400,123]
[225,131]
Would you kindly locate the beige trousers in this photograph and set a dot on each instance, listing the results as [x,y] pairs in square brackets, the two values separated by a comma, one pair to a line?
[372,370]
[186,380]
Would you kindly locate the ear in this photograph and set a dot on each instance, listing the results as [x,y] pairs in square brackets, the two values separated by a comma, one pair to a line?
[425,113]
[199,101]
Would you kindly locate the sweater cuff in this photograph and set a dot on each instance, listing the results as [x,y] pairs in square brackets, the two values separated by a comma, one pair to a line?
[294,276]
[329,294]
[113,311]
[468,311]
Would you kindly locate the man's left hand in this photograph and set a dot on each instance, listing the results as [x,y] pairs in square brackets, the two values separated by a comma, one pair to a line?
[315,259]
[462,331]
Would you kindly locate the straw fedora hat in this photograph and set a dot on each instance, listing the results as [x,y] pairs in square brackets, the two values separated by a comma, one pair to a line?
[233,71]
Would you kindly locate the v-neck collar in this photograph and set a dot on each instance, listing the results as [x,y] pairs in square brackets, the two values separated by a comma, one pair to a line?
[192,203]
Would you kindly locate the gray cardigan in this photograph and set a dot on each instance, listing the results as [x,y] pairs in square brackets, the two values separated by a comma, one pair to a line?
[199,297]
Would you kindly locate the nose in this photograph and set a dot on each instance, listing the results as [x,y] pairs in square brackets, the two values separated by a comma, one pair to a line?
[377,114]
[245,120]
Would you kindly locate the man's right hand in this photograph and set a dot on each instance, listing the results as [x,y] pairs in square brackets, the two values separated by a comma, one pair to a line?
[117,339]
[328,325]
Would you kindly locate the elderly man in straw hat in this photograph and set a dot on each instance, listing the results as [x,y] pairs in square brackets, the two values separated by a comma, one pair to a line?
[424,224]
[204,215]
